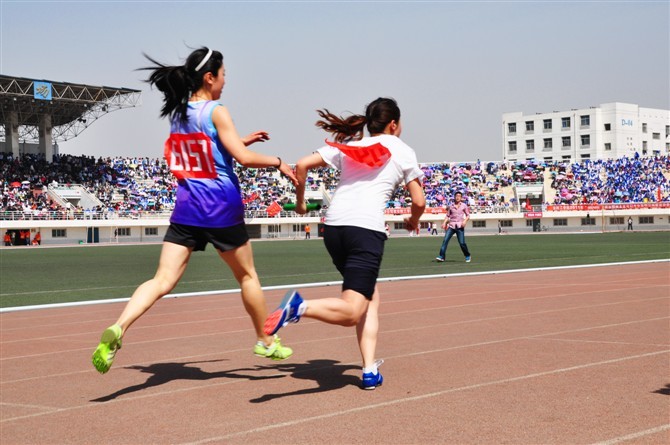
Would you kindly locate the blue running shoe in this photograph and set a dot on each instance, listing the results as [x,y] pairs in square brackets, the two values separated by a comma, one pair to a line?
[468,258]
[372,380]
[286,313]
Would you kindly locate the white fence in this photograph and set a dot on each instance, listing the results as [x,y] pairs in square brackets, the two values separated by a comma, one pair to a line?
[56,228]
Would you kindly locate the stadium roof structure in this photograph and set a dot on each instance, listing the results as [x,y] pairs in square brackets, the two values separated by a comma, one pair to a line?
[70,107]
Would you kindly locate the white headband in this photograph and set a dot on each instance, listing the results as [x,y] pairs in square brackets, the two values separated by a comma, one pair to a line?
[204,60]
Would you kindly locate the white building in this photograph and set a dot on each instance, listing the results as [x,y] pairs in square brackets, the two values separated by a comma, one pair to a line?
[608,131]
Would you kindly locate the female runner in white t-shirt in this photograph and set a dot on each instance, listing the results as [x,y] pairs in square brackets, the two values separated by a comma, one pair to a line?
[354,233]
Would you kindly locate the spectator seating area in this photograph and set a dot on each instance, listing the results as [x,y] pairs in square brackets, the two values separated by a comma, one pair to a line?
[624,180]
[133,186]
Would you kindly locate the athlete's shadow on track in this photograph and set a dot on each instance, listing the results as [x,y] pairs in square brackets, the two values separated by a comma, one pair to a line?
[327,374]
[166,372]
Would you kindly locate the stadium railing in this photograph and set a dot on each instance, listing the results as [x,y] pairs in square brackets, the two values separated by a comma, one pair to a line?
[129,214]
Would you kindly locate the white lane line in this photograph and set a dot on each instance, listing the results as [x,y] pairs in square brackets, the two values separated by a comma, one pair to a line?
[402,356]
[637,435]
[335,283]
[420,397]
[501,317]
[163,314]
[23,405]
[351,410]
[223,307]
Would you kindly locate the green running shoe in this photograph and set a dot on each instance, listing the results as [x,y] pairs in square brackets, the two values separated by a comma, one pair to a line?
[275,351]
[110,342]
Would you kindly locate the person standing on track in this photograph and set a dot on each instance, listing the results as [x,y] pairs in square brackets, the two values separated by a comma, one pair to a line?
[354,232]
[201,152]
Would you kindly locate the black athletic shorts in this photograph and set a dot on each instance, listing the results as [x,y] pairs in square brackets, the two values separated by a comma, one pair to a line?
[227,238]
[357,254]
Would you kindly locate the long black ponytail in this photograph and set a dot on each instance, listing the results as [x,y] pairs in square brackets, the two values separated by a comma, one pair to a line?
[377,116]
[178,83]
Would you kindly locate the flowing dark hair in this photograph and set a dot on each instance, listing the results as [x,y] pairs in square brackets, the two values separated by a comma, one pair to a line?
[378,114]
[178,83]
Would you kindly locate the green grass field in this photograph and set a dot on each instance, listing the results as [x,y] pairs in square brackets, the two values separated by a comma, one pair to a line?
[52,275]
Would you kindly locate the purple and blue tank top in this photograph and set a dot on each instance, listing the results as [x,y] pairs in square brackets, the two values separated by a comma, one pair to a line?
[209,191]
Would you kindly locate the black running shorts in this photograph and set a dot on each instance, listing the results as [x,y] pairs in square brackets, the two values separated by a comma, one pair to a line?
[225,239]
[357,254]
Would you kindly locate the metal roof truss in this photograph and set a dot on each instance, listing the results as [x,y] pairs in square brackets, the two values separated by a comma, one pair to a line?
[73,107]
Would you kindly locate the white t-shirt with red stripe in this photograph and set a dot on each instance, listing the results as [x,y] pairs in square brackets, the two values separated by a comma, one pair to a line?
[361,196]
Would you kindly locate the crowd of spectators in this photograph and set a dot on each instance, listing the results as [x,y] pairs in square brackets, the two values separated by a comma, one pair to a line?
[623,180]
[120,185]
[485,186]
[139,185]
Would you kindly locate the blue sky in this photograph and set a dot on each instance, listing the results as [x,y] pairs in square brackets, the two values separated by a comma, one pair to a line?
[454,67]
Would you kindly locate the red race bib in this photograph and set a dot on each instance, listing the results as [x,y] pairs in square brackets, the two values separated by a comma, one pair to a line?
[190,156]
[374,155]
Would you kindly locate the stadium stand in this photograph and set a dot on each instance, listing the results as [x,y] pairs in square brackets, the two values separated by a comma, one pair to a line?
[82,187]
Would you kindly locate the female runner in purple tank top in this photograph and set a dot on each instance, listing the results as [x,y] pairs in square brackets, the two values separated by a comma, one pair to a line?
[201,151]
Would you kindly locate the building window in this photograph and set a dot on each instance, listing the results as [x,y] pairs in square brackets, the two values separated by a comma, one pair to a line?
[644,128]
[548,144]
[565,123]
[529,223]
[398,225]
[511,128]
[588,221]
[58,233]
[646,220]
[667,131]
[586,140]
[547,124]
[616,220]
[656,136]
[565,158]
[123,231]
[586,156]
[151,231]
[566,141]
[549,159]
[608,127]
[274,231]
[505,223]
[585,121]
[608,146]
[512,146]
[530,145]
[667,147]
[479,224]
[530,126]
[560,221]
[644,147]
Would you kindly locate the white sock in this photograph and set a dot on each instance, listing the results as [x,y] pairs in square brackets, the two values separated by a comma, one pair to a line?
[302,308]
[372,369]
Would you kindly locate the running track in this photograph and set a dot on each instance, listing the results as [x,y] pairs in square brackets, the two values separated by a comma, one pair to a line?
[561,356]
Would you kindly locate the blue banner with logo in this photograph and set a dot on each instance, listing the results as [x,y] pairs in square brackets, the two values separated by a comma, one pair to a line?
[42,90]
